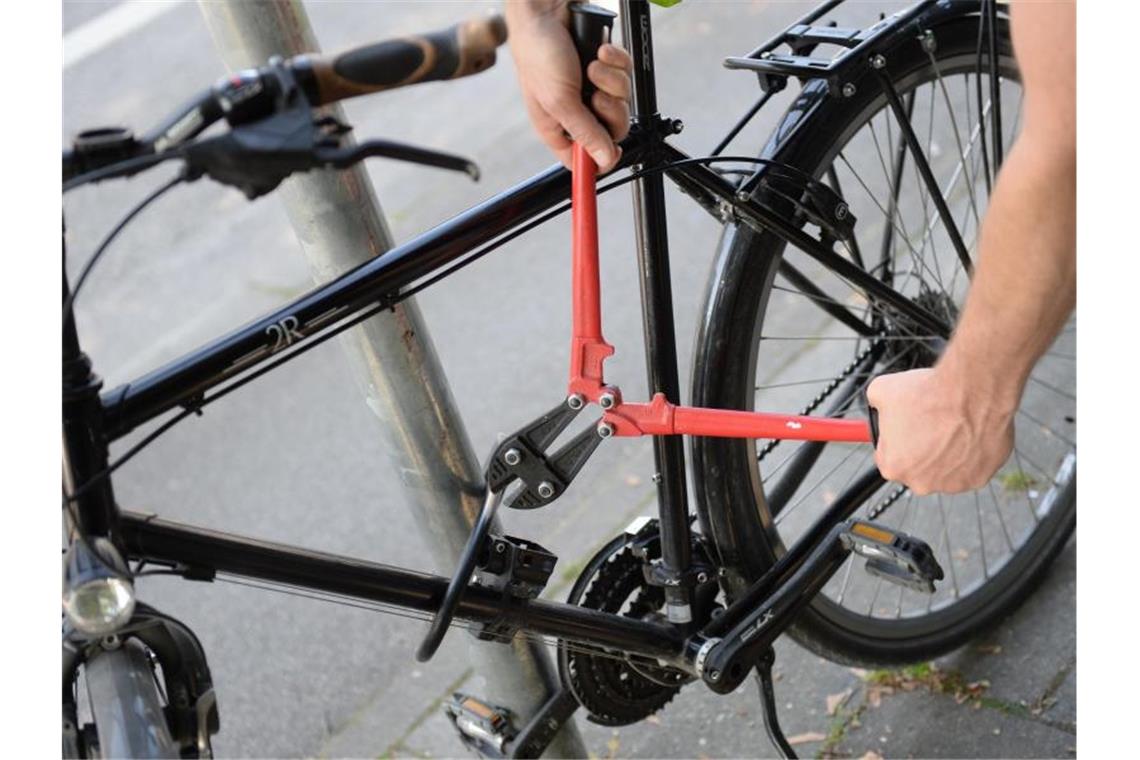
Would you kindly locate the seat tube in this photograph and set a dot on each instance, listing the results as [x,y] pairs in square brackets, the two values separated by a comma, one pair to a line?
[657,318]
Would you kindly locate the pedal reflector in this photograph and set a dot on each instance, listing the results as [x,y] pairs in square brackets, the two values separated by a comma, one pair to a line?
[894,556]
[483,728]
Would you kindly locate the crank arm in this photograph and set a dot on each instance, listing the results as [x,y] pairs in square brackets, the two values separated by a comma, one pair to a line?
[723,662]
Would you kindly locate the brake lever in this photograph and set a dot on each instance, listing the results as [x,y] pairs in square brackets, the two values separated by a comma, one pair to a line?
[256,156]
[340,158]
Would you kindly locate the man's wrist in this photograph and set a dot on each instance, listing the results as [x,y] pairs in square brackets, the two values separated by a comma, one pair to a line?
[524,11]
[970,376]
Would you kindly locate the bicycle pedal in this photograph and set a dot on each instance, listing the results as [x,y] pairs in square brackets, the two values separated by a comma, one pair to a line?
[483,728]
[894,556]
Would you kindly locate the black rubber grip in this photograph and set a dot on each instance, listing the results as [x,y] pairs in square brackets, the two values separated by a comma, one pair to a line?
[464,49]
[872,420]
[590,26]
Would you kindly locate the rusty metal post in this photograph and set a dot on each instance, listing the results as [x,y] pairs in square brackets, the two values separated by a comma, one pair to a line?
[339,224]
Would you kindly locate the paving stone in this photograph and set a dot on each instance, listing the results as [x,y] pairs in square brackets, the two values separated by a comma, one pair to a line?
[921,725]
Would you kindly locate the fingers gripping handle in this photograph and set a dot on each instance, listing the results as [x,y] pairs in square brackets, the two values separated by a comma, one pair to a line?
[464,49]
[590,26]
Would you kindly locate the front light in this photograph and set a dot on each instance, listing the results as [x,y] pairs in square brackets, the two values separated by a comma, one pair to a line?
[97,599]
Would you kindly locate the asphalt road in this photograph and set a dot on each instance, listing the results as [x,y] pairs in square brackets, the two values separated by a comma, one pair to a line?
[293,458]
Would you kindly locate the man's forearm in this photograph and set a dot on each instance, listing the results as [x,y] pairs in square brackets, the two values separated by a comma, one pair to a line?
[1024,284]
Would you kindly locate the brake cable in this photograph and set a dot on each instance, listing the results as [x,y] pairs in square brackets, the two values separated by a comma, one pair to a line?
[90,265]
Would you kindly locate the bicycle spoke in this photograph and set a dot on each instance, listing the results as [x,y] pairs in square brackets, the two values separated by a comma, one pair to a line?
[1025,490]
[784,513]
[1045,428]
[907,338]
[924,197]
[924,167]
[850,563]
[1055,389]
[887,216]
[933,218]
[981,535]
[1001,520]
[875,597]
[821,299]
[989,10]
[1049,476]
[817,381]
[957,134]
[978,93]
[799,280]
[949,548]
[892,178]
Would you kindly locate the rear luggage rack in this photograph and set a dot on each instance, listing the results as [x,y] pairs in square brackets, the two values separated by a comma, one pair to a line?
[804,36]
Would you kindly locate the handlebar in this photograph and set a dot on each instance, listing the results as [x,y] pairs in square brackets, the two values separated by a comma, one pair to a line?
[461,50]
[252,95]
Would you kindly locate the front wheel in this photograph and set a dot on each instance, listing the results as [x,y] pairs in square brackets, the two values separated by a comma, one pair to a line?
[766,343]
[127,709]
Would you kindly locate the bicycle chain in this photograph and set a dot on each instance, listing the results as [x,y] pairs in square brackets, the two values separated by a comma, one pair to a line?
[822,395]
[614,691]
[882,506]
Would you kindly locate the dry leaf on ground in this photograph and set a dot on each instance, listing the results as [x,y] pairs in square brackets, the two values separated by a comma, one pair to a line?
[835,701]
[871,755]
[810,736]
[875,694]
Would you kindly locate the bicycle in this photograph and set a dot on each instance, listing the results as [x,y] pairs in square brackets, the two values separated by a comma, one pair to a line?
[791,191]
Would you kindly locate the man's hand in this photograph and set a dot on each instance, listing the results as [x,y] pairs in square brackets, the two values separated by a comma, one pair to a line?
[551,81]
[937,432]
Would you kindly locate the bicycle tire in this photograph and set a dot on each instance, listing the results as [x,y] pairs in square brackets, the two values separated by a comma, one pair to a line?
[731,493]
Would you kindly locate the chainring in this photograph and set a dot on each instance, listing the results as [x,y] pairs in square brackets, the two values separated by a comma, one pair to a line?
[618,689]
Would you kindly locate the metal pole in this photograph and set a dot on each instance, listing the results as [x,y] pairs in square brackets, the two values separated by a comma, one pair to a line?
[339,223]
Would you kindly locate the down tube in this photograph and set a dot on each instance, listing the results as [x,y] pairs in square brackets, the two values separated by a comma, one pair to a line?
[184,379]
[208,552]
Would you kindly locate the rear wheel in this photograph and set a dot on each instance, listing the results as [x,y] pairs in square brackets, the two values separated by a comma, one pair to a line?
[765,344]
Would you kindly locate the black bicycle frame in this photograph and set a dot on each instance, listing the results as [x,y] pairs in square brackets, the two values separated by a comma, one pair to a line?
[92,421]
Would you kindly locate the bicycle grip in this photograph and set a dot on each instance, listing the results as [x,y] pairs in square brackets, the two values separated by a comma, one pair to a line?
[464,49]
[590,27]
[872,420]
